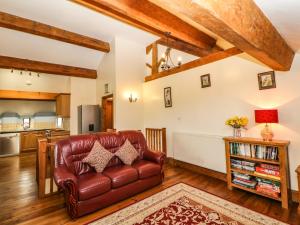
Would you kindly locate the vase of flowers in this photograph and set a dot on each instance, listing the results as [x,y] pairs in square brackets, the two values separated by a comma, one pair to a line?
[237,123]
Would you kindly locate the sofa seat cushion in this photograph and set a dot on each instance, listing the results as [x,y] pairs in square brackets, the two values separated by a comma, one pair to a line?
[121,175]
[92,184]
[146,169]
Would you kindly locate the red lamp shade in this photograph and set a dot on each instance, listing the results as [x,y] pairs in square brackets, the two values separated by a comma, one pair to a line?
[266,116]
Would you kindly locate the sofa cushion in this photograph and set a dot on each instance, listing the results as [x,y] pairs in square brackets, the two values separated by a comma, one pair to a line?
[92,184]
[121,175]
[146,169]
[98,157]
[127,153]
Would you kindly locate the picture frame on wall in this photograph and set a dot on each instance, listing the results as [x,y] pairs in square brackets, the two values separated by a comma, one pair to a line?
[106,91]
[266,80]
[168,97]
[205,80]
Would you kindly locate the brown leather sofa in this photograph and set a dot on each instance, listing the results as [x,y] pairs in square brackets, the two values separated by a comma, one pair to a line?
[85,190]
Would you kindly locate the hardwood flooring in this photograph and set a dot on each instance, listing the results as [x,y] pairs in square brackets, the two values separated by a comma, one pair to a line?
[19,203]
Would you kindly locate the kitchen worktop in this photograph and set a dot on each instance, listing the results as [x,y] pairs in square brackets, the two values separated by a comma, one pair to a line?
[28,130]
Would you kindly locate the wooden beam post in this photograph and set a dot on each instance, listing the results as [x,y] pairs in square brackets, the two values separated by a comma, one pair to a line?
[29,26]
[240,22]
[44,67]
[154,68]
[198,62]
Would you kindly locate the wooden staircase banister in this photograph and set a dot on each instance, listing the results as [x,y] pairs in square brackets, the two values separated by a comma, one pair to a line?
[156,139]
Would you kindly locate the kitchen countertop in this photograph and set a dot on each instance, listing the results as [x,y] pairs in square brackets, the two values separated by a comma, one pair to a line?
[28,130]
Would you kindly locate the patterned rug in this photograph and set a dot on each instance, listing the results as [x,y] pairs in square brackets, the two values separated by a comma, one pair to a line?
[182,204]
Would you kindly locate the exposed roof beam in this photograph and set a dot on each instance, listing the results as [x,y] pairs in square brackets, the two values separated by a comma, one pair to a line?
[147,16]
[184,47]
[44,30]
[198,62]
[240,22]
[44,67]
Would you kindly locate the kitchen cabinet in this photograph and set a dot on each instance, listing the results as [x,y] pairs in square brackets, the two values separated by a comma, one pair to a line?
[63,105]
[29,141]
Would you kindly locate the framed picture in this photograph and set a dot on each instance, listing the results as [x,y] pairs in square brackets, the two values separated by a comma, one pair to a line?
[205,81]
[168,97]
[266,80]
[106,91]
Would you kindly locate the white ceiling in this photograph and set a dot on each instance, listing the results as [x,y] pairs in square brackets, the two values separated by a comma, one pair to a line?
[69,16]
[285,16]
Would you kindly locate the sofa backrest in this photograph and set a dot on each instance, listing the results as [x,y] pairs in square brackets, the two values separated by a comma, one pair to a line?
[71,151]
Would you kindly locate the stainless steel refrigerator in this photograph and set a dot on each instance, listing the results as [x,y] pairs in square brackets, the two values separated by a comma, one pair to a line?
[88,119]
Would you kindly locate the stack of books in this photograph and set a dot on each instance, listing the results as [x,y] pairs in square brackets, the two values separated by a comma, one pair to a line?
[254,151]
[244,180]
[268,171]
[268,187]
[243,165]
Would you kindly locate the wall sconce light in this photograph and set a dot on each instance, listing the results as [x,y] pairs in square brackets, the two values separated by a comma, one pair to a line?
[132,99]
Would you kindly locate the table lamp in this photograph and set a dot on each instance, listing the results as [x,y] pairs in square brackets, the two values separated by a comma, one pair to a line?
[266,116]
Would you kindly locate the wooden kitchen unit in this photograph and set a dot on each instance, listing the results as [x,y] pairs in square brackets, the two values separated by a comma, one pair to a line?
[28,140]
[63,105]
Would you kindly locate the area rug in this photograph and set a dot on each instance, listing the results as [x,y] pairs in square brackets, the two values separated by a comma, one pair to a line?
[182,204]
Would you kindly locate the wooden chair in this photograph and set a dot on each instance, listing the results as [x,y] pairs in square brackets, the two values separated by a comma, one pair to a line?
[156,139]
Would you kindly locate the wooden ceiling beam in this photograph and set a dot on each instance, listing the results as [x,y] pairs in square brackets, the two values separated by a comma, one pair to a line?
[198,62]
[239,22]
[28,95]
[184,47]
[151,18]
[29,26]
[44,67]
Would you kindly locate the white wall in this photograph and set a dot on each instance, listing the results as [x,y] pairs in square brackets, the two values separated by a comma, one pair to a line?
[124,69]
[130,71]
[234,91]
[44,83]
[83,92]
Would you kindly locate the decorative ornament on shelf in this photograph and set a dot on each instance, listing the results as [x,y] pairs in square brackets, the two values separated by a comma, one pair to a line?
[266,116]
[237,123]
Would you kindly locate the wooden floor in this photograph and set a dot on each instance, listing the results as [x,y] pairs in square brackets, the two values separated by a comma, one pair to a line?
[19,204]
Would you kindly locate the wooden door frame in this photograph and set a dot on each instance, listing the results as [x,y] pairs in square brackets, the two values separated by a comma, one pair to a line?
[104,99]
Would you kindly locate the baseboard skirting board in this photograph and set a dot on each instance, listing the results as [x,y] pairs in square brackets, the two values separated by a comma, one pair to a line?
[212,173]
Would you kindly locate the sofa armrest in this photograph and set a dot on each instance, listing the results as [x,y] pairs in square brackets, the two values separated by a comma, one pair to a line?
[62,176]
[68,182]
[157,157]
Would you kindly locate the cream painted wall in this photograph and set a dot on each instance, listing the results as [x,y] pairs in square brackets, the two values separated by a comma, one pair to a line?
[106,73]
[124,69]
[45,83]
[83,92]
[234,91]
[130,70]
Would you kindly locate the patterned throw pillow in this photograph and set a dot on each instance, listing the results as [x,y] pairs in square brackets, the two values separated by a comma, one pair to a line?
[98,157]
[127,153]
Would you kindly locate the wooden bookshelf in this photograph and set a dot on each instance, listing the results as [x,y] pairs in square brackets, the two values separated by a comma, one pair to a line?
[281,161]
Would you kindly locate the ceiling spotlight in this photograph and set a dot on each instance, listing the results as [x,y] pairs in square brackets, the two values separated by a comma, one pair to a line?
[21,72]
[29,73]
[38,74]
[12,70]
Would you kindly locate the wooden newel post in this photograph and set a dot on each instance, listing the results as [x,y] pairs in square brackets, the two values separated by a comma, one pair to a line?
[42,166]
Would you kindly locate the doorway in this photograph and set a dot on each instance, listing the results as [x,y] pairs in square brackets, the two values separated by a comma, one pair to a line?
[107,112]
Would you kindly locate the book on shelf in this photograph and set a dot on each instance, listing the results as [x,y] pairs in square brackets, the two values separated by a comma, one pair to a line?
[243,165]
[268,171]
[254,151]
[268,187]
[244,180]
